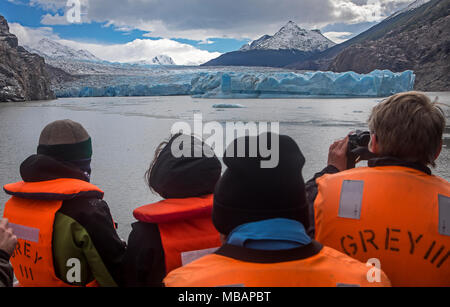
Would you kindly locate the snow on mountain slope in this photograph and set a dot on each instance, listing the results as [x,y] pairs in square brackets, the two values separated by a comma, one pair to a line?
[163,60]
[291,36]
[255,43]
[50,49]
[157,60]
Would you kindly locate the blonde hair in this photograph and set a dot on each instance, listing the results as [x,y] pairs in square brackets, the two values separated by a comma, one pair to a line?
[408,126]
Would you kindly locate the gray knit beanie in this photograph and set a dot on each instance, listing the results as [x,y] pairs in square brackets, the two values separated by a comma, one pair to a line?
[65,140]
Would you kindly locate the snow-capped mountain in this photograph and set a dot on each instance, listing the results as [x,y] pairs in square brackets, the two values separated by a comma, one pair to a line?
[291,36]
[163,60]
[50,49]
[157,60]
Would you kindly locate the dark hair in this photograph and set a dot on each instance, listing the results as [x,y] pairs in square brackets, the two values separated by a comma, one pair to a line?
[173,176]
[148,173]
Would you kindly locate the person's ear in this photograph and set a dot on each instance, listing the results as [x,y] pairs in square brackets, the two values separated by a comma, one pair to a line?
[438,152]
[373,144]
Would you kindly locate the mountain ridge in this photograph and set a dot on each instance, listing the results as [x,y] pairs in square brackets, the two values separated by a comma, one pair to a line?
[52,50]
[322,60]
[422,44]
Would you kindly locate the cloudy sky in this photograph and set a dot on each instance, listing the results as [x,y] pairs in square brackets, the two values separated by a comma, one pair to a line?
[190,31]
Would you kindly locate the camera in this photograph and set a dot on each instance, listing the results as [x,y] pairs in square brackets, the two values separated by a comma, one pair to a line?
[357,150]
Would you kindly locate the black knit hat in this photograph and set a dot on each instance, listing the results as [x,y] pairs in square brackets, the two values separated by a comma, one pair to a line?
[247,192]
[65,140]
[186,176]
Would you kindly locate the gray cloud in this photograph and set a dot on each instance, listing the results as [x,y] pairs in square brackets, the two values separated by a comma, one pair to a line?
[202,19]
[394,6]
[360,2]
[228,18]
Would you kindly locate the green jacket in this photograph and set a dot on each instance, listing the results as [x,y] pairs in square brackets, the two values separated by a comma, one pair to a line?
[84,229]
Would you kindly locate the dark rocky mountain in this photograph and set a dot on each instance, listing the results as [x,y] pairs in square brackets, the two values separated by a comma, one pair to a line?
[322,61]
[416,39]
[23,75]
[264,58]
[421,44]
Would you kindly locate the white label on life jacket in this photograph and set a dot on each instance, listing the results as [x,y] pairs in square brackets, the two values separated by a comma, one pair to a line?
[444,215]
[25,233]
[351,199]
[188,257]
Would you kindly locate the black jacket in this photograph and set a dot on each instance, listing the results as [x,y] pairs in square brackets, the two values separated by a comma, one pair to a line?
[6,270]
[144,263]
[312,188]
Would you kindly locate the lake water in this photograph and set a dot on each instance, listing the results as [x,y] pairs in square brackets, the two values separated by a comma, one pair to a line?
[126,131]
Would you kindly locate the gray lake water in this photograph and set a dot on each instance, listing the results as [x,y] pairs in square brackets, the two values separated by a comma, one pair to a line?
[126,131]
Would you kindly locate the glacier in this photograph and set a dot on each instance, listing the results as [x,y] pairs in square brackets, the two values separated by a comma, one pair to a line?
[244,84]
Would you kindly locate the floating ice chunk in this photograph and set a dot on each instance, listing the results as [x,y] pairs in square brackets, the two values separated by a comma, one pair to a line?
[228,106]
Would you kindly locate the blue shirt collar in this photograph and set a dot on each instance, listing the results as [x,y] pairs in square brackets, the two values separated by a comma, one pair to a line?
[272,234]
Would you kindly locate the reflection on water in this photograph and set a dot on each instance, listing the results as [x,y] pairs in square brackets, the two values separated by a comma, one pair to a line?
[126,131]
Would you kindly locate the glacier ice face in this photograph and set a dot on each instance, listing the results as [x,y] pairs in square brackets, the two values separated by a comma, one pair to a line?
[127,90]
[244,84]
[379,83]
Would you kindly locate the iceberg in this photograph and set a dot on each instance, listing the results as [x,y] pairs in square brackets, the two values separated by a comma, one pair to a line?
[228,106]
[244,84]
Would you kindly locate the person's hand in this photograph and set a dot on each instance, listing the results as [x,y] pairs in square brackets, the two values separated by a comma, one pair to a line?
[337,155]
[8,240]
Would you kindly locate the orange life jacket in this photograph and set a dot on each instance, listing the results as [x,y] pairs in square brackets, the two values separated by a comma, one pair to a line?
[31,213]
[325,267]
[186,228]
[398,215]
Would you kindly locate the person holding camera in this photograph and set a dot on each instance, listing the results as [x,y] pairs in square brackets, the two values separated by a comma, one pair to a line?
[262,216]
[394,212]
